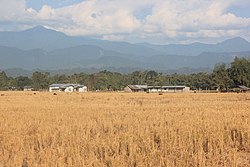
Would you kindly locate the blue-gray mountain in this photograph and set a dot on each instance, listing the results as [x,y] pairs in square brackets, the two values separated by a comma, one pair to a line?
[51,50]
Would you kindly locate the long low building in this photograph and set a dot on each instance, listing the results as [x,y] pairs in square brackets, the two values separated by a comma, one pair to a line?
[156,89]
[67,88]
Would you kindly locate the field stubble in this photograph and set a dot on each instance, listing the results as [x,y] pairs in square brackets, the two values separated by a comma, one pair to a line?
[123,129]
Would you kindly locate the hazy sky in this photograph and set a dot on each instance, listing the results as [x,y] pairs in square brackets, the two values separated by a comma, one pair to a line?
[155,21]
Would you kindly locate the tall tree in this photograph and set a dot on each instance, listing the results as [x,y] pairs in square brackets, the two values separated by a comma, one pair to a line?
[240,71]
[221,77]
[22,81]
[40,80]
[151,77]
[3,80]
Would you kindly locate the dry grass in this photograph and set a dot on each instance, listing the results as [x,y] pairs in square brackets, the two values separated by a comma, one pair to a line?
[119,129]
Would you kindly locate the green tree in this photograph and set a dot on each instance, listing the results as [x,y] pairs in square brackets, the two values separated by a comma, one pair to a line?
[4,80]
[22,81]
[40,80]
[91,82]
[200,81]
[60,79]
[81,78]
[151,77]
[221,77]
[240,71]
[138,77]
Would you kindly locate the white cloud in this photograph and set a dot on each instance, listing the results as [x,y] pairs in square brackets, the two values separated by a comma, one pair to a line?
[11,9]
[46,13]
[92,17]
[195,18]
[116,19]
[113,37]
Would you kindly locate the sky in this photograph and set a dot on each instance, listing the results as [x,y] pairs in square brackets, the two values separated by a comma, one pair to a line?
[152,21]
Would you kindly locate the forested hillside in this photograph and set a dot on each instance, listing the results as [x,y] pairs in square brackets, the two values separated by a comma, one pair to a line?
[223,77]
[46,49]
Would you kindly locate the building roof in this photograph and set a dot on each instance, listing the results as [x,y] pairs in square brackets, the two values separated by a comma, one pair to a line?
[140,87]
[244,87]
[56,85]
[173,87]
[27,87]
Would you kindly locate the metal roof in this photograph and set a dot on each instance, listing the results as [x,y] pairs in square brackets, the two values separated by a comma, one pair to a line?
[244,87]
[173,87]
[27,87]
[56,85]
[140,87]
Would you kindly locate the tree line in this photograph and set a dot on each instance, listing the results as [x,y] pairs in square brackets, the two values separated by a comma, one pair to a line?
[223,78]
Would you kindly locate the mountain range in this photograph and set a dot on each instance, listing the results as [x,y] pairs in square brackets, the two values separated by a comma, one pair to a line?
[46,49]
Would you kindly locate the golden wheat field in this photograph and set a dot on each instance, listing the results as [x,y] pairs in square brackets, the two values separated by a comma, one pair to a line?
[124,129]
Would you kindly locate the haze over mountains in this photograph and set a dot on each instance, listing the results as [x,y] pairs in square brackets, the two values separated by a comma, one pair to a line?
[41,48]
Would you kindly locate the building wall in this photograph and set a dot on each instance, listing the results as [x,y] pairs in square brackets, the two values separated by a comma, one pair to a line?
[83,89]
[54,89]
[176,90]
[27,89]
[69,89]
[186,89]
[154,90]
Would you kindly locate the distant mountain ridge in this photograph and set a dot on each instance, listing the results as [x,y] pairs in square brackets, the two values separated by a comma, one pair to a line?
[237,44]
[49,40]
[47,49]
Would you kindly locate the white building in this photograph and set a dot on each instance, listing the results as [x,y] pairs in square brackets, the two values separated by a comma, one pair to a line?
[67,88]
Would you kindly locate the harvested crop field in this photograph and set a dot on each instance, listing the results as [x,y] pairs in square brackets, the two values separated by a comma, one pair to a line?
[124,129]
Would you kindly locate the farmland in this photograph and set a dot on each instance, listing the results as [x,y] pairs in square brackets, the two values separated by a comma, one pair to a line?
[124,129]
